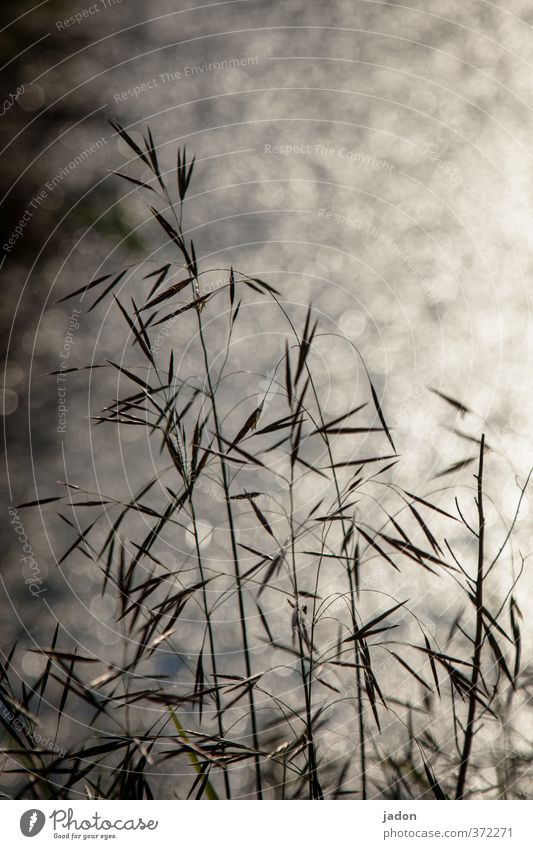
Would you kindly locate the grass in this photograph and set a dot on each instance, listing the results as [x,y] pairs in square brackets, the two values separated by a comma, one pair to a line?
[302,628]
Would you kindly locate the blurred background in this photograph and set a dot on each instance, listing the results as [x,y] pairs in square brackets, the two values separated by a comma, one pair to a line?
[374,158]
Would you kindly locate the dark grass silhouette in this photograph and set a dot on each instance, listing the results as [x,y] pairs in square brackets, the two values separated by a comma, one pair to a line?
[305,585]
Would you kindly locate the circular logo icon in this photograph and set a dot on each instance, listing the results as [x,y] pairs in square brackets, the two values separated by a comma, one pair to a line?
[32,822]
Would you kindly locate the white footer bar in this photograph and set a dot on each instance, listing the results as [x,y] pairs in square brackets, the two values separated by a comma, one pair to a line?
[268,825]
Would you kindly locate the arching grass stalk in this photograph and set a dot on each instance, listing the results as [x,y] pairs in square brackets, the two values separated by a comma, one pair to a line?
[235,556]
[478,637]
